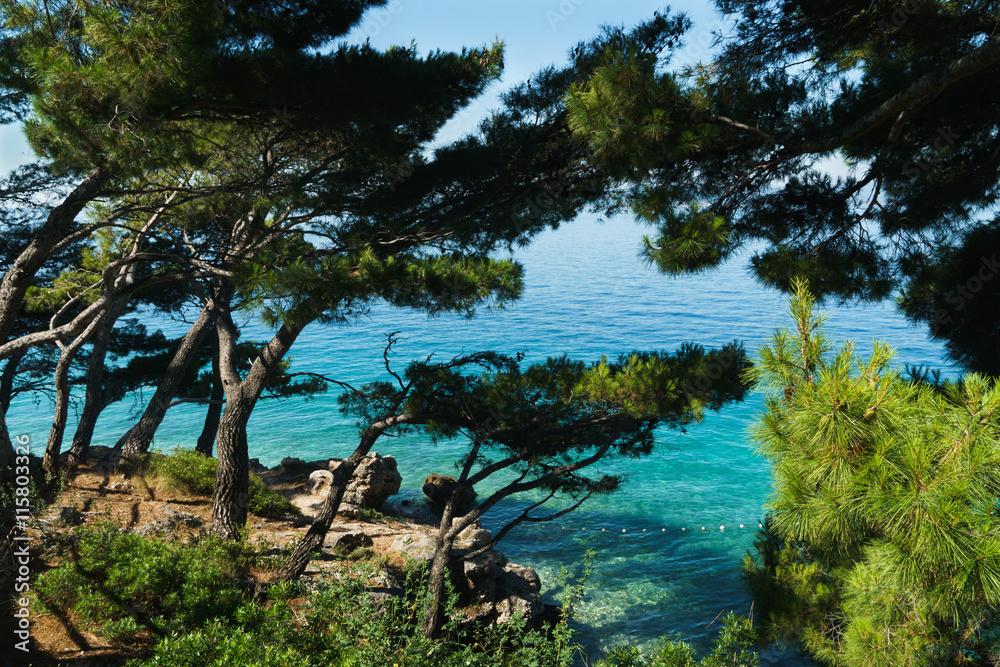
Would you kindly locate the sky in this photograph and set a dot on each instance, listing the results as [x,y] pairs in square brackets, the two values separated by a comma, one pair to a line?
[536,33]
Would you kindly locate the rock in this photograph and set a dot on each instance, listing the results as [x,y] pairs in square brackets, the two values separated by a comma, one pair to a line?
[496,591]
[374,480]
[348,541]
[440,488]
[475,536]
[294,465]
[320,482]
[168,523]
[119,486]
[256,466]
[419,546]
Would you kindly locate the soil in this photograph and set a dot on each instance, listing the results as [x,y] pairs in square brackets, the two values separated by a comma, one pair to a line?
[100,493]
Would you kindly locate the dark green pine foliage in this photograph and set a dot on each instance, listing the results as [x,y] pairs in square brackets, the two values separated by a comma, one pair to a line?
[883,545]
[735,152]
[536,433]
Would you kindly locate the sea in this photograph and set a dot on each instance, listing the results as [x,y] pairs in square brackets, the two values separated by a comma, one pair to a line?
[669,546]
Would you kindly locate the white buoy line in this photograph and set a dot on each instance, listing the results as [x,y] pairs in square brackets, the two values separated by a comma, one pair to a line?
[685,529]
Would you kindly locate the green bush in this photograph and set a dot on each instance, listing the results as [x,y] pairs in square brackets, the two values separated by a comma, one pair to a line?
[734,647]
[122,583]
[342,625]
[191,472]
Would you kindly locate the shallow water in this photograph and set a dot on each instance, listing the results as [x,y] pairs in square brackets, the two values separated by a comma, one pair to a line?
[587,296]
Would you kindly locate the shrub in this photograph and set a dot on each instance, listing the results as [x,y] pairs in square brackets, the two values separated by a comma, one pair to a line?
[734,647]
[123,583]
[193,473]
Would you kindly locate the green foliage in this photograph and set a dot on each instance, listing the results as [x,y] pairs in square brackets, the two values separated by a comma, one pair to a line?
[192,472]
[733,648]
[884,546]
[734,152]
[342,624]
[123,584]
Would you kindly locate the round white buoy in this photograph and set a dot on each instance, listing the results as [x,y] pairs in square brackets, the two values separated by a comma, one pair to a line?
[623,530]
[644,530]
[722,527]
[663,530]
[741,525]
[703,527]
[602,530]
[683,529]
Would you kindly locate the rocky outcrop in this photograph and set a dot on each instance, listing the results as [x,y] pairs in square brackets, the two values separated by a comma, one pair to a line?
[374,480]
[440,488]
[171,521]
[494,590]
[307,484]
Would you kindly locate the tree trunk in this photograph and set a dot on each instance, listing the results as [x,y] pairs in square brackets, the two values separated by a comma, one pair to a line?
[229,505]
[7,379]
[434,615]
[141,435]
[6,395]
[58,223]
[50,462]
[7,455]
[231,497]
[316,535]
[206,440]
[94,397]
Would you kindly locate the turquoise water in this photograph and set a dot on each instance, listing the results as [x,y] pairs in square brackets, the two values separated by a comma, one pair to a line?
[586,295]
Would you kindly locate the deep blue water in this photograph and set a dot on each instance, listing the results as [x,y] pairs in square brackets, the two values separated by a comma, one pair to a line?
[587,295]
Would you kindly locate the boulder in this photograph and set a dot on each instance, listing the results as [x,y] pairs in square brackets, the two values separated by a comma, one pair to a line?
[418,545]
[440,488]
[294,466]
[172,520]
[320,482]
[502,591]
[374,480]
[347,541]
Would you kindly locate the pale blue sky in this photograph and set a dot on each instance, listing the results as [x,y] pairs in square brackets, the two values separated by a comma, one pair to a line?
[536,33]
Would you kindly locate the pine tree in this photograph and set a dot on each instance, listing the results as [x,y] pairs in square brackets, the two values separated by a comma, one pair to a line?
[734,152]
[883,545]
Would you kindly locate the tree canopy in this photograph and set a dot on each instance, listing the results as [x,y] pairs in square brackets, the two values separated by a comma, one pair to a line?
[743,150]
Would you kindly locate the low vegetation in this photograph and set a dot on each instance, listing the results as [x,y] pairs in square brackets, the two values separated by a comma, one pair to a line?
[187,471]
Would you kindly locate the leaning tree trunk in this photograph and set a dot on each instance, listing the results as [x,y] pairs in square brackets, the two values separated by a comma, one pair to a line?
[50,462]
[140,436]
[6,394]
[231,495]
[7,455]
[434,615]
[316,535]
[59,222]
[94,396]
[206,441]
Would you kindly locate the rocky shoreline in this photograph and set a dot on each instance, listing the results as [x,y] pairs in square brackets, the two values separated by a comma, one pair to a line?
[491,589]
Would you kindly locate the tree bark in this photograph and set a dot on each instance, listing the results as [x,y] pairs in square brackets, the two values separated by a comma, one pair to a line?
[50,462]
[434,615]
[206,441]
[60,220]
[141,435]
[95,398]
[231,496]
